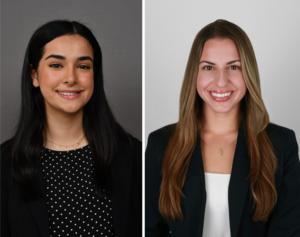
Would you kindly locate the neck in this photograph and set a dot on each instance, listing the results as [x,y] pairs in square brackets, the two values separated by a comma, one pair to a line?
[64,129]
[220,123]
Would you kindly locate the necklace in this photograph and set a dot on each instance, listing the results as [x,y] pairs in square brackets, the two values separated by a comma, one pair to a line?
[69,146]
[220,146]
[221,151]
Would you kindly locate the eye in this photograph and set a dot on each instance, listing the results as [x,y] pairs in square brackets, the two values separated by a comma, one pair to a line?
[234,67]
[84,67]
[207,68]
[55,65]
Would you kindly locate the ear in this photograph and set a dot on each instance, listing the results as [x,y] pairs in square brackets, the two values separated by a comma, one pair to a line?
[34,77]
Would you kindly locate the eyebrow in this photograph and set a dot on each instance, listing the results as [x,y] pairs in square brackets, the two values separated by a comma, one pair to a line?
[83,58]
[228,63]
[56,56]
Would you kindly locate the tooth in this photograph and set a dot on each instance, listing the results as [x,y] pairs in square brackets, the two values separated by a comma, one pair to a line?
[221,94]
[68,93]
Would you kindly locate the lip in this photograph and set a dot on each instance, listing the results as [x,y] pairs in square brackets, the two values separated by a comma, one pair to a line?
[69,94]
[221,95]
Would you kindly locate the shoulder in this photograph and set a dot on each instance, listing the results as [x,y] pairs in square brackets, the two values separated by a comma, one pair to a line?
[129,151]
[5,151]
[129,143]
[278,132]
[157,144]
[6,163]
[161,135]
[282,138]
[285,146]
[6,147]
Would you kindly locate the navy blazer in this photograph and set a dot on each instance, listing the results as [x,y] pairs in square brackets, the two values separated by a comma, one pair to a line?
[285,218]
[21,218]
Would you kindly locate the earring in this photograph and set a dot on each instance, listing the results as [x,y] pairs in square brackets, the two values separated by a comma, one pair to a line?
[35,82]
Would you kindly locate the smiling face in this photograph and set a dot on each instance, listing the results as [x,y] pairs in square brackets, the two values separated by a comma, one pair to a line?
[65,74]
[220,82]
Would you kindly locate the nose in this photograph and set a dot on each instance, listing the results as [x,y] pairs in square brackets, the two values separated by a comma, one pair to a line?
[221,78]
[70,77]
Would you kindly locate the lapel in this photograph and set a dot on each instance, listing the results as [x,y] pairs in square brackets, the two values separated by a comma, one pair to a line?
[193,201]
[120,194]
[39,214]
[194,192]
[38,210]
[238,190]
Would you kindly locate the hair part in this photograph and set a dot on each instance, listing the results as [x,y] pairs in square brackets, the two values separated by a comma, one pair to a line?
[253,114]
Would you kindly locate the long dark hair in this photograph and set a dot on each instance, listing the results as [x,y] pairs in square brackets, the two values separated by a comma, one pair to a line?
[100,127]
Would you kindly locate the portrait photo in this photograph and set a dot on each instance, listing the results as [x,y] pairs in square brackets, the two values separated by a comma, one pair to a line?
[221,119]
[71,118]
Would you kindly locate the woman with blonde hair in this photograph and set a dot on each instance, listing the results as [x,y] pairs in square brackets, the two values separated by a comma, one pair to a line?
[223,169]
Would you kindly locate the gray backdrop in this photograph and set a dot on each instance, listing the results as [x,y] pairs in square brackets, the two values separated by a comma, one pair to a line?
[273,28]
[117,25]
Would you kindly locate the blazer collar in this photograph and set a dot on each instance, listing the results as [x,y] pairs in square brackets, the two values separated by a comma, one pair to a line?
[238,190]
[121,194]
[194,192]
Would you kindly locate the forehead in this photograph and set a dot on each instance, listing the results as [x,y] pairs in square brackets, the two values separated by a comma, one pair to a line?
[69,46]
[220,48]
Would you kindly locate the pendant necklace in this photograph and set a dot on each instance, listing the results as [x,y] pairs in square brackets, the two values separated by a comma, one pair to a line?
[221,151]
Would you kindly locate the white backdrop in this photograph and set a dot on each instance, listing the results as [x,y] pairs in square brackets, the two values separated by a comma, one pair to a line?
[273,28]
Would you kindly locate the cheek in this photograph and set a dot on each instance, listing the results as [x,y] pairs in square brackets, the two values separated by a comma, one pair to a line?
[49,78]
[244,89]
[203,82]
[240,84]
[91,86]
[87,81]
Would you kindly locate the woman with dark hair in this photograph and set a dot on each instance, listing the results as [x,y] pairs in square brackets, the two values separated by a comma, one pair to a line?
[70,169]
[223,169]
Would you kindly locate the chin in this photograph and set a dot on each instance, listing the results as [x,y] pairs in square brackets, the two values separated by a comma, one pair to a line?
[72,110]
[224,109]
[69,110]
[221,108]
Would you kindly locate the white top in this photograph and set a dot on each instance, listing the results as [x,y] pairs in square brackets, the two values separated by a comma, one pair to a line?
[216,219]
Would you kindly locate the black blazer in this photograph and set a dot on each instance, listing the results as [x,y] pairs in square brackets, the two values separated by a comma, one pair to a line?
[30,219]
[285,218]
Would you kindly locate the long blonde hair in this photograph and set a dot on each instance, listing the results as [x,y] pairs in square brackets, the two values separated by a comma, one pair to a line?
[253,113]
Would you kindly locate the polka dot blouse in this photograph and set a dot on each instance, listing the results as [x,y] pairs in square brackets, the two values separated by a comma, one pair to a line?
[74,209]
